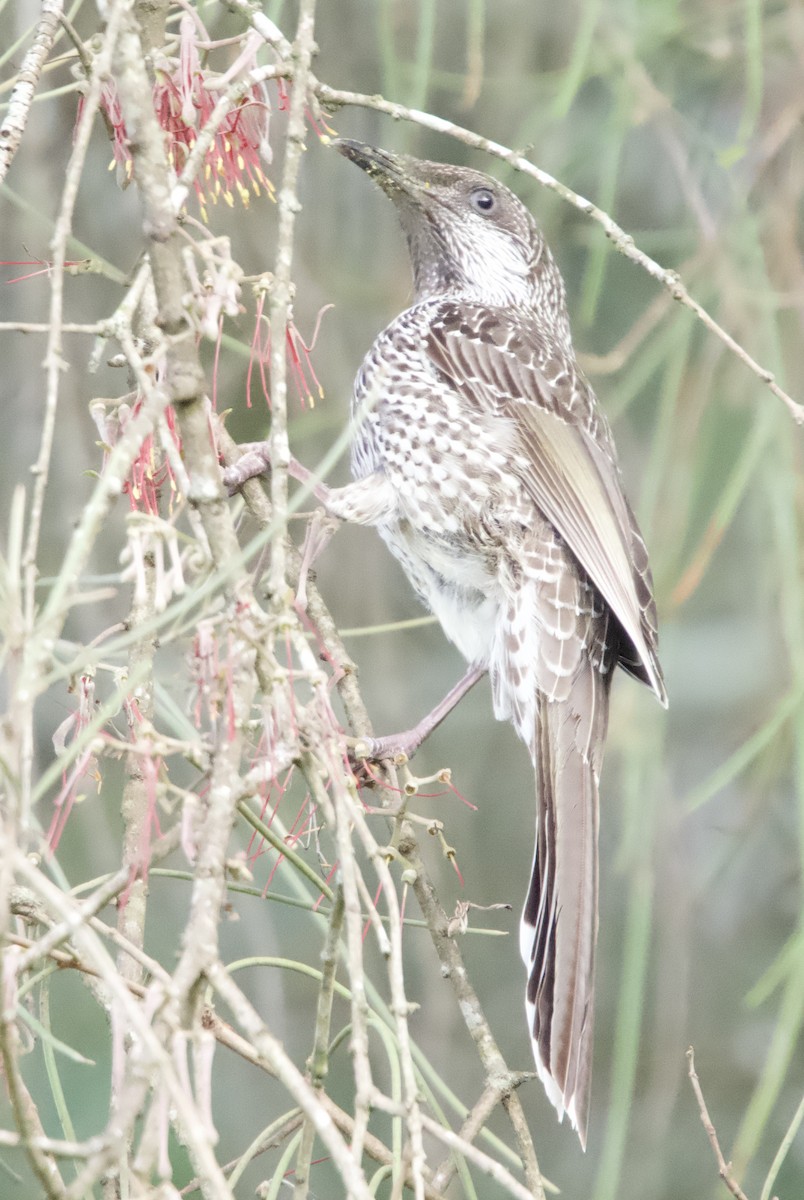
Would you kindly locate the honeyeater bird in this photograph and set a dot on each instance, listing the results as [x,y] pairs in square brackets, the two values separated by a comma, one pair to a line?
[484,460]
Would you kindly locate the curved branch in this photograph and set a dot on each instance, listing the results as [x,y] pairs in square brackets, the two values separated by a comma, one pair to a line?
[670,280]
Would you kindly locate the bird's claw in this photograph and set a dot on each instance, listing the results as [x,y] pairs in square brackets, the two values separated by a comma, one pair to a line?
[397,748]
[255,461]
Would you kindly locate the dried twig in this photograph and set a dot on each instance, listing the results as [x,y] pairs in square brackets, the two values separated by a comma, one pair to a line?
[491,1096]
[490,1166]
[280,1065]
[148,1058]
[724,1168]
[26,1114]
[502,1081]
[266,28]
[453,969]
[670,280]
[281,291]
[318,1062]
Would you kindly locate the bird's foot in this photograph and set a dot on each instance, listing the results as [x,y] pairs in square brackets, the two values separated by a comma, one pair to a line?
[255,460]
[320,529]
[397,748]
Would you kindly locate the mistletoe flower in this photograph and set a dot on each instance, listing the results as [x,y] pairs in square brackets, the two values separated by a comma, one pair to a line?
[215,293]
[299,351]
[184,100]
[152,543]
[150,470]
[79,766]
[235,145]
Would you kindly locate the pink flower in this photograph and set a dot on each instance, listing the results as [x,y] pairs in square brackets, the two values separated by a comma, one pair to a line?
[184,97]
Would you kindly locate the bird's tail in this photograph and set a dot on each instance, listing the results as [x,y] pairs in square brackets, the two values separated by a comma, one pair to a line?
[559,922]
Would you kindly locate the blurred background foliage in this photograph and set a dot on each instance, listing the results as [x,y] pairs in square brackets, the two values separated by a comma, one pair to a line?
[685,122]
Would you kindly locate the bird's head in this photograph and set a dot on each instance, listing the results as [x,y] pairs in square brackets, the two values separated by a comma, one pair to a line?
[468,234]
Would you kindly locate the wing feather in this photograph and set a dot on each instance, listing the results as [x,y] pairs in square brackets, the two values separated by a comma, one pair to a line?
[502,362]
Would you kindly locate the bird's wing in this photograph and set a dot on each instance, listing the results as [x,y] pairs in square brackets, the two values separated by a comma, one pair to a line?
[503,363]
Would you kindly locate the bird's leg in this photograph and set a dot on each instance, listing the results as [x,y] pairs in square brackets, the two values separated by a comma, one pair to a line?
[320,529]
[364,502]
[408,743]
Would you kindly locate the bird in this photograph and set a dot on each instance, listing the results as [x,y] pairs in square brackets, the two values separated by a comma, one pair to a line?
[485,461]
[481,455]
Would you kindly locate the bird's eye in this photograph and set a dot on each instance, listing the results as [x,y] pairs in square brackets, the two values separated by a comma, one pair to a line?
[483,200]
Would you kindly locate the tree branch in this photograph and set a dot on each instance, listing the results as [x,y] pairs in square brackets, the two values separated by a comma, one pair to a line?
[21,99]
[724,1168]
[623,242]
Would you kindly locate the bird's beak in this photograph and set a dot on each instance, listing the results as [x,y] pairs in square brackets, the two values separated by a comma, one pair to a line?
[387,170]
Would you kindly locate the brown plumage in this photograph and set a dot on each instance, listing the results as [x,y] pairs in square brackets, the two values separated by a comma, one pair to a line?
[483,459]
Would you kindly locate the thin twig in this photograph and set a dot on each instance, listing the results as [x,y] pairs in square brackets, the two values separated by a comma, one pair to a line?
[318,1062]
[359,1045]
[724,1168]
[490,1166]
[280,297]
[502,1080]
[30,675]
[44,327]
[135,808]
[273,1054]
[474,1122]
[53,358]
[454,971]
[623,242]
[26,1114]
[148,1057]
[400,1005]
[77,916]
[266,28]
[53,1146]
